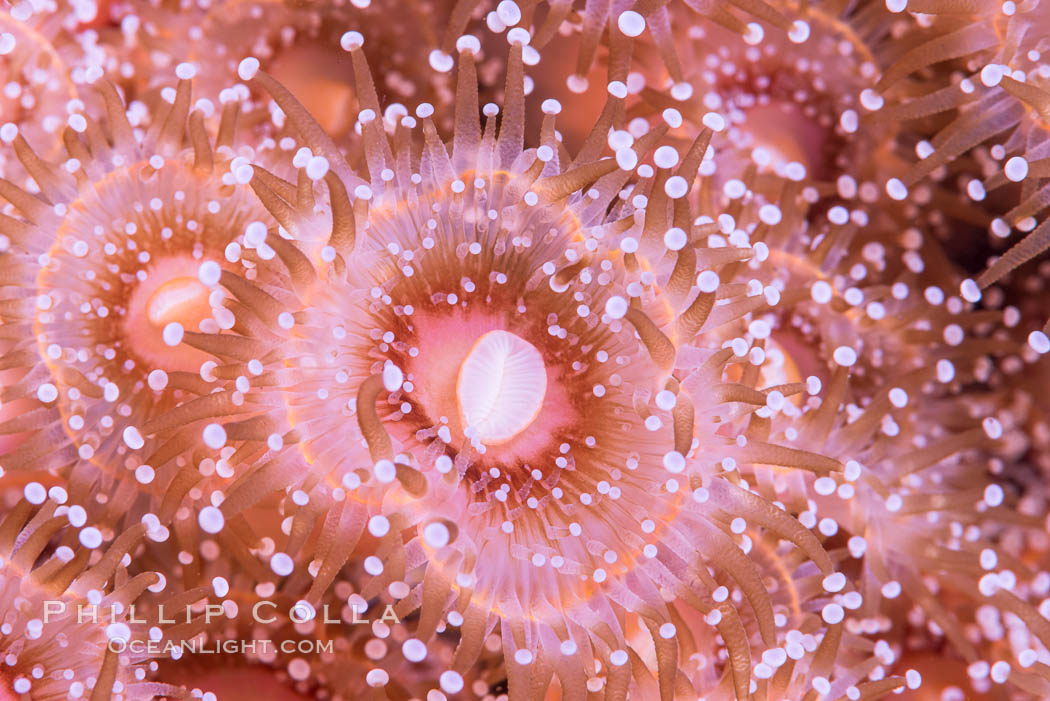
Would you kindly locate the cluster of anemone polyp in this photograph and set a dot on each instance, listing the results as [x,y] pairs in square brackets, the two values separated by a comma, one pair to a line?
[658,350]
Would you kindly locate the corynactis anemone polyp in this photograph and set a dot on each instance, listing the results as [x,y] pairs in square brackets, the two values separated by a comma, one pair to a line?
[598,479]
[114,260]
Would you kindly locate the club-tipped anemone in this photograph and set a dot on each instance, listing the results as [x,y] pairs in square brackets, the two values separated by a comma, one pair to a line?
[112,269]
[69,609]
[499,354]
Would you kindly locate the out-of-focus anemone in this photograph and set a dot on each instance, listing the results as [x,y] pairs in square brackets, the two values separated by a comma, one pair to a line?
[791,101]
[112,258]
[596,22]
[794,105]
[998,99]
[591,45]
[38,55]
[845,292]
[68,610]
[866,323]
[598,478]
[298,42]
[918,505]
